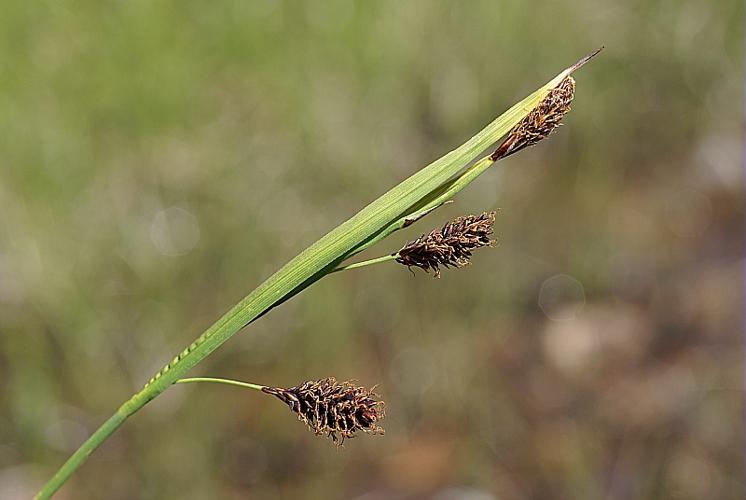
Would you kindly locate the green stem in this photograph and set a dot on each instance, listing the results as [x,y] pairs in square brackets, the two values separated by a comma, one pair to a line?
[225,381]
[108,428]
[90,444]
[364,263]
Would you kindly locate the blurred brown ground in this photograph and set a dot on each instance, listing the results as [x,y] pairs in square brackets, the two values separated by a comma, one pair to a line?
[159,159]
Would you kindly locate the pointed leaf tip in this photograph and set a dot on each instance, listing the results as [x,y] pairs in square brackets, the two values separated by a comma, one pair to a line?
[585,59]
[567,72]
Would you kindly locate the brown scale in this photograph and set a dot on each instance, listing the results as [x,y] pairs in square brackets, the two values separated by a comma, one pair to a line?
[540,122]
[449,246]
[337,409]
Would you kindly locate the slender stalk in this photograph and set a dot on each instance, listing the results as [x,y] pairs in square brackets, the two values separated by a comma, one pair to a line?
[225,381]
[364,263]
[435,199]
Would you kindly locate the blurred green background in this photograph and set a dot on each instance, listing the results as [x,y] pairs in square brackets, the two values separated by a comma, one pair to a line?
[159,159]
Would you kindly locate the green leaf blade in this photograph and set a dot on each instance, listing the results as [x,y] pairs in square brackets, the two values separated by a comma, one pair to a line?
[376,216]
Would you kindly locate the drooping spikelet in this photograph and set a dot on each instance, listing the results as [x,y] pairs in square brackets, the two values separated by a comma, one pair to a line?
[540,122]
[337,409]
[451,245]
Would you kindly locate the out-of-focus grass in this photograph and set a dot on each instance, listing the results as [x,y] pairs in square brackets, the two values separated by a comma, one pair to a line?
[595,353]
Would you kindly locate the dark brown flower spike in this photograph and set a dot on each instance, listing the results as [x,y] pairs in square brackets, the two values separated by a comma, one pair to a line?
[337,409]
[540,122]
[451,245]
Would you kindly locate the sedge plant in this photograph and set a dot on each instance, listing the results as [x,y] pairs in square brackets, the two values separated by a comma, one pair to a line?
[328,407]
